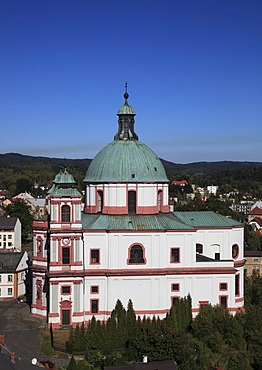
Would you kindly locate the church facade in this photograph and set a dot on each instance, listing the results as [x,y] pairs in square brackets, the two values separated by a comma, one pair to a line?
[124,243]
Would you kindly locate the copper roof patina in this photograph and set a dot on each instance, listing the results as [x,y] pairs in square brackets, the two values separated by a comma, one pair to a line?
[189,221]
[64,185]
[126,159]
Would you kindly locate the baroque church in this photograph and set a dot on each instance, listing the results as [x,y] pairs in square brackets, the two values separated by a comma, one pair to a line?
[125,243]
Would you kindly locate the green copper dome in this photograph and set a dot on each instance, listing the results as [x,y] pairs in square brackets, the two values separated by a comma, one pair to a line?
[126,161]
[64,185]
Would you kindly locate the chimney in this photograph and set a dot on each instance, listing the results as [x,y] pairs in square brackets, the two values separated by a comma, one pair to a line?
[12,357]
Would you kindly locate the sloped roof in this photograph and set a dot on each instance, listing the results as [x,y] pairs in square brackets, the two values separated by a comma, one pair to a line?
[255,211]
[9,261]
[206,219]
[161,221]
[8,223]
[258,220]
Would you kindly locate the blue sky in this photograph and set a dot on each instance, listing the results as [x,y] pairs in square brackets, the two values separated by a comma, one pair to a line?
[194,72]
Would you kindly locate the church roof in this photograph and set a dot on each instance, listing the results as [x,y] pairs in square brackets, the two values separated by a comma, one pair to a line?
[126,159]
[64,185]
[161,221]
[204,219]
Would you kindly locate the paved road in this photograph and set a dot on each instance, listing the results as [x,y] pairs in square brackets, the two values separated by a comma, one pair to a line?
[20,329]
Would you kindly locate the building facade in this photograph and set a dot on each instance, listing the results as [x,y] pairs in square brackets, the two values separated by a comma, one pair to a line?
[13,274]
[10,234]
[124,243]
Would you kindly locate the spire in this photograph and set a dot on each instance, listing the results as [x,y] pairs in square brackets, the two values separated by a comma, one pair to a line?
[126,121]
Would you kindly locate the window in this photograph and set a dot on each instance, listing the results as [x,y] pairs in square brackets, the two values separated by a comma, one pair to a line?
[235,251]
[10,291]
[94,305]
[131,202]
[217,256]
[9,236]
[95,258]
[159,200]
[175,287]
[223,300]
[0,278]
[94,289]
[175,255]
[223,286]
[100,201]
[65,213]
[0,292]
[10,278]
[65,256]
[199,248]
[4,237]
[66,289]
[203,303]
[136,255]
[237,285]
[174,300]
[9,244]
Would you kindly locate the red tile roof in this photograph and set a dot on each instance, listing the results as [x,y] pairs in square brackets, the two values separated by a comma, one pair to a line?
[256,211]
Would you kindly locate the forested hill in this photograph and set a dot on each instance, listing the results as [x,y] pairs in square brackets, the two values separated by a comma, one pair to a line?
[14,167]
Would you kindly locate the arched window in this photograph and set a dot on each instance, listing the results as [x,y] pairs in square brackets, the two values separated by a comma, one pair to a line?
[159,199]
[199,248]
[65,213]
[131,202]
[136,254]
[235,251]
[100,201]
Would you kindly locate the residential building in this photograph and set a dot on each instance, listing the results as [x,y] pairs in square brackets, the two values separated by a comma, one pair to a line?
[10,234]
[13,273]
[253,262]
[127,244]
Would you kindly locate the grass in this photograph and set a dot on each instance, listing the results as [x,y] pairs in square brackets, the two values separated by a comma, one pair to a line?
[60,338]
[46,347]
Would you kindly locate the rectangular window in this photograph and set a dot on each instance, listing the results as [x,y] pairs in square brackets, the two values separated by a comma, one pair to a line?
[199,248]
[10,278]
[94,255]
[223,286]
[175,287]
[0,292]
[217,256]
[10,291]
[0,278]
[9,244]
[9,236]
[223,300]
[175,255]
[4,237]
[174,300]
[66,256]
[94,305]
[94,289]
[66,289]
[237,280]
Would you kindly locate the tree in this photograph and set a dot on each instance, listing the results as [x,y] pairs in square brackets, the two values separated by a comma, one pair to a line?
[21,210]
[72,364]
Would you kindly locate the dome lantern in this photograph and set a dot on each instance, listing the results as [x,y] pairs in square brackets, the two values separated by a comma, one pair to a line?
[126,121]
